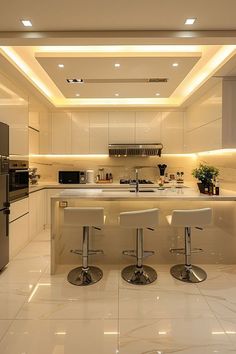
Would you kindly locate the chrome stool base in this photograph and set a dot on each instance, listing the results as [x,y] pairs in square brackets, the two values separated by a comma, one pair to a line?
[139,275]
[81,277]
[193,274]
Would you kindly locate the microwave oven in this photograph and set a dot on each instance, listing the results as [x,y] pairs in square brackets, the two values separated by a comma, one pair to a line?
[72,177]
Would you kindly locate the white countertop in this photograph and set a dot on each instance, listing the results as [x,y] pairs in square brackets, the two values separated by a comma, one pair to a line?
[123,194]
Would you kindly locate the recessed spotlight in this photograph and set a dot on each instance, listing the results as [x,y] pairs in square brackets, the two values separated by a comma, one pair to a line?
[117,65]
[75,81]
[175,64]
[61,65]
[157,94]
[77,95]
[26,23]
[117,94]
[190,21]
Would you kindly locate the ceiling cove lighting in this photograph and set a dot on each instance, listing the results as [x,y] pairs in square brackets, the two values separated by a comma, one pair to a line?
[26,23]
[190,21]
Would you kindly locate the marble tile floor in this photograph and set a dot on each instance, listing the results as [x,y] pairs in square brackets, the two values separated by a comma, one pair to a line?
[44,314]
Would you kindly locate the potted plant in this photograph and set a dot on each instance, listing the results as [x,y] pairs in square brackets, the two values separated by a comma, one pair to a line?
[205,174]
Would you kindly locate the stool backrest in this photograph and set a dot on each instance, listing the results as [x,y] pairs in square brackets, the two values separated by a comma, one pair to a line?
[84,216]
[192,217]
[140,218]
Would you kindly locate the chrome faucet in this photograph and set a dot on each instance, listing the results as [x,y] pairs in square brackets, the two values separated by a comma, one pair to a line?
[136,181]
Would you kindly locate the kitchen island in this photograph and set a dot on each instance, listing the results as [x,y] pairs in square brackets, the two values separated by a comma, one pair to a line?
[218,240]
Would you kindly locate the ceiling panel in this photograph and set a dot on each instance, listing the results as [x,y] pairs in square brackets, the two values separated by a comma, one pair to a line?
[67,15]
[130,68]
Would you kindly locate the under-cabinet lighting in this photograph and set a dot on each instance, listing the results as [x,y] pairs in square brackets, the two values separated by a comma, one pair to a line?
[216,152]
[111,332]
[60,333]
[70,156]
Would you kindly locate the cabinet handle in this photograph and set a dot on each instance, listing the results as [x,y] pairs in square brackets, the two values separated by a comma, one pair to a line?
[7,213]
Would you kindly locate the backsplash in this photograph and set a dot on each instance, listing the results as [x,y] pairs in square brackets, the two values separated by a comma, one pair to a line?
[48,166]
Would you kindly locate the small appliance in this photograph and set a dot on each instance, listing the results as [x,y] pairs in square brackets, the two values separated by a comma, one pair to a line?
[72,177]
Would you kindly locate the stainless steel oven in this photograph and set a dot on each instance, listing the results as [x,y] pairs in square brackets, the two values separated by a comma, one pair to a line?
[18,179]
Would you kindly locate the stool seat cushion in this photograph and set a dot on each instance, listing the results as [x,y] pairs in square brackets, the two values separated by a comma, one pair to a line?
[84,216]
[140,218]
[192,217]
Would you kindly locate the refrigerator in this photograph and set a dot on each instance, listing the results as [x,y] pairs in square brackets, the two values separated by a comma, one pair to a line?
[4,195]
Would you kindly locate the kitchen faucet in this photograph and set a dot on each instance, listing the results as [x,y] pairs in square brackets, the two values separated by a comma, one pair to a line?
[136,181]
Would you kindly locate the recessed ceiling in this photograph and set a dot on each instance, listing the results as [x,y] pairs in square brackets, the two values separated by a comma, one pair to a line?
[68,15]
[131,69]
[196,64]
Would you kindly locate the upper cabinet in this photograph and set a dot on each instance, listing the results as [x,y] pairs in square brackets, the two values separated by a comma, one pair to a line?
[61,133]
[98,142]
[172,132]
[80,133]
[203,122]
[148,127]
[121,127]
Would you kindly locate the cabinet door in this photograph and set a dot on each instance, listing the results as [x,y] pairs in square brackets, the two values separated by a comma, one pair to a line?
[33,141]
[80,133]
[61,133]
[41,206]
[45,133]
[32,215]
[121,127]
[148,127]
[98,132]
[172,132]
[49,194]
[18,234]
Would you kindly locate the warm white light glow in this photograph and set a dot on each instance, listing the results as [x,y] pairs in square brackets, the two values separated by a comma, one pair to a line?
[70,156]
[157,94]
[77,95]
[60,333]
[190,21]
[61,65]
[219,332]
[217,152]
[117,94]
[117,65]
[175,65]
[162,332]
[111,332]
[24,68]
[26,23]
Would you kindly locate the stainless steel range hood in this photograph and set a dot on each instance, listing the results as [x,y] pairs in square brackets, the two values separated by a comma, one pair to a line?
[123,150]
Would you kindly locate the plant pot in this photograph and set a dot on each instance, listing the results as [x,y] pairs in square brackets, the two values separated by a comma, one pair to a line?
[203,188]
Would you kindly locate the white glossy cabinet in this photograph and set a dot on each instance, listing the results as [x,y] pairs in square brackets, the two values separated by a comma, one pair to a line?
[49,194]
[121,127]
[19,226]
[33,141]
[172,132]
[16,116]
[148,127]
[98,130]
[45,133]
[61,133]
[37,214]
[80,133]
[34,120]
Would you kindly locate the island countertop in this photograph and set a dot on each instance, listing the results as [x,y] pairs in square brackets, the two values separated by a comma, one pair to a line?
[124,194]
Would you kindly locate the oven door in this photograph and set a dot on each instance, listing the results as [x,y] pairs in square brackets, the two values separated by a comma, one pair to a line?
[18,184]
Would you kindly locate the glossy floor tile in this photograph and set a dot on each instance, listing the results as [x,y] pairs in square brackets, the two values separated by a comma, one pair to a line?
[40,313]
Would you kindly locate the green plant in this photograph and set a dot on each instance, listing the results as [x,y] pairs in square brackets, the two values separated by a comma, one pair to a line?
[205,173]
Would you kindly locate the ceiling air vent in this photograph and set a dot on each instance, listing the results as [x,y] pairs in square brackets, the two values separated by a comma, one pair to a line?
[118,81]
[123,150]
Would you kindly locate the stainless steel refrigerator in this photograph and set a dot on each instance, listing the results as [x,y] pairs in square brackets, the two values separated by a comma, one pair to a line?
[4,195]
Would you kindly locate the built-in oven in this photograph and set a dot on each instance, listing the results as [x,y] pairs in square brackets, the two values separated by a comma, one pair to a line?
[18,179]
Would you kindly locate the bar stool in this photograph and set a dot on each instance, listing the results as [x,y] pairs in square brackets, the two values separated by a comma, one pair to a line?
[189,218]
[85,217]
[139,274]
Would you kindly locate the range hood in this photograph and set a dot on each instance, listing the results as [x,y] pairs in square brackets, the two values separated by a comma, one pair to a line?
[123,150]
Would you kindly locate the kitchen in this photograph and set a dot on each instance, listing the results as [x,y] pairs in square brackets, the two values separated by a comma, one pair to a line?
[120,127]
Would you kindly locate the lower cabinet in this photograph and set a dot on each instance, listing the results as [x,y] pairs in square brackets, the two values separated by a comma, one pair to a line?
[19,226]
[36,213]
[49,194]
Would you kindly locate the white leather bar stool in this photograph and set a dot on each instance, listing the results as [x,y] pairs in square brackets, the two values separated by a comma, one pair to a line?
[189,218]
[139,274]
[85,217]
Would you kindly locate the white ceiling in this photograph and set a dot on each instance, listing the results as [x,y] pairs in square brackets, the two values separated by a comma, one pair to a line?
[130,68]
[64,15]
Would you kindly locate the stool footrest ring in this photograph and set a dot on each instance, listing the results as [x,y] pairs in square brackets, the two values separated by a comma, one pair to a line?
[177,250]
[79,252]
[92,252]
[130,253]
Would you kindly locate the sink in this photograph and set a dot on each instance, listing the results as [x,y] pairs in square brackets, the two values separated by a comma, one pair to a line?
[146,190]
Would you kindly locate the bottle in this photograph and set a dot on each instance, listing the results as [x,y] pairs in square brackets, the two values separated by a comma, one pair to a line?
[110,177]
[107,177]
[217,187]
